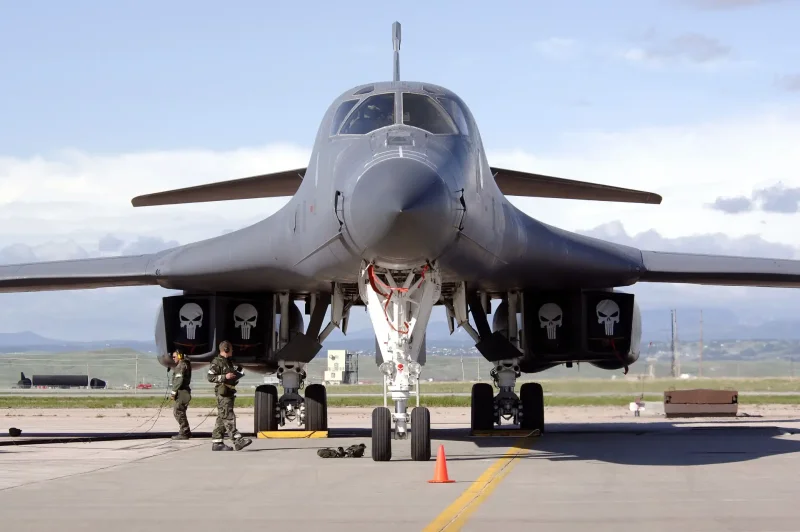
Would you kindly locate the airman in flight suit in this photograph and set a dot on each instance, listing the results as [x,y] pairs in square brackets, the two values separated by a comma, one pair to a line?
[181,394]
[226,377]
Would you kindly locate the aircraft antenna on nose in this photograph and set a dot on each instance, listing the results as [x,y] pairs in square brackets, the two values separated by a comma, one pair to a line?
[396,43]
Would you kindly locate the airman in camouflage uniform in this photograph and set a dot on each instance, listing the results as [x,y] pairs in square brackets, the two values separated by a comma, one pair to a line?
[225,376]
[181,394]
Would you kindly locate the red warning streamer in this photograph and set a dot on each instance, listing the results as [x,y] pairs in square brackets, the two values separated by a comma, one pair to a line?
[375,282]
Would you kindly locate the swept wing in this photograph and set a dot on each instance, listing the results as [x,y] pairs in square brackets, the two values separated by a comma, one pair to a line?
[691,268]
[272,185]
[134,270]
[516,183]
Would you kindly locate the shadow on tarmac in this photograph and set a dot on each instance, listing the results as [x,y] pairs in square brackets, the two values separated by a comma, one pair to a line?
[654,444]
[666,443]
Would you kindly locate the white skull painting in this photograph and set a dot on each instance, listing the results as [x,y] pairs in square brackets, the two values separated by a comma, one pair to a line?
[550,316]
[608,315]
[245,317]
[191,318]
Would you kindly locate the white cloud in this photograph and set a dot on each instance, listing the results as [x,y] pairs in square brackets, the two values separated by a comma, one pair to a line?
[687,50]
[84,197]
[790,83]
[690,166]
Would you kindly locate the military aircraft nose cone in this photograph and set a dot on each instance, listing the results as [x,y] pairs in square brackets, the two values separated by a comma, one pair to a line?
[401,210]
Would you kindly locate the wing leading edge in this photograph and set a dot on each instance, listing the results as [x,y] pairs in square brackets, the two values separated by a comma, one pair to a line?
[690,268]
[510,182]
[134,270]
[515,183]
[272,185]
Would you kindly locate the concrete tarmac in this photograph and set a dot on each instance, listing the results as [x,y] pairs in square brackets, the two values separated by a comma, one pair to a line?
[595,468]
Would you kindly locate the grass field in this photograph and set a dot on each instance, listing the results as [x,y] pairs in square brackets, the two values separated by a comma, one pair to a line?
[589,386]
[435,401]
[120,367]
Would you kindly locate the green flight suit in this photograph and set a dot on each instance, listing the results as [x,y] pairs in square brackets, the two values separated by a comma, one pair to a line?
[225,390]
[182,393]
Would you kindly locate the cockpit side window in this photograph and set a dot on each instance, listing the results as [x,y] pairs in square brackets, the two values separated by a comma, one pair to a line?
[373,113]
[421,111]
[456,113]
[340,115]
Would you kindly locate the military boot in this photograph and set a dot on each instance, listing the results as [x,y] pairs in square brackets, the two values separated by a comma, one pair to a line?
[182,437]
[241,443]
[219,446]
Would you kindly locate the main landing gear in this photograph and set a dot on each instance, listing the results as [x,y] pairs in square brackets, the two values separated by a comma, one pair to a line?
[488,410]
[399,314]
[525,410]
[310,412]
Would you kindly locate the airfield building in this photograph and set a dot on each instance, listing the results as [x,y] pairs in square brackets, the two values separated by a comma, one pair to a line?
[342,367]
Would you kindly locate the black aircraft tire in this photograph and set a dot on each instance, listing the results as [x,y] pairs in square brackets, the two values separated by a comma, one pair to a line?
[381,434]
[482,407]
[264,416]
[531,395]
[316,401]
[420,434]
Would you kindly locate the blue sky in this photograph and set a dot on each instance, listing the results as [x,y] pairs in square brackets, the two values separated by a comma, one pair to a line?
[697,100]
[130,76]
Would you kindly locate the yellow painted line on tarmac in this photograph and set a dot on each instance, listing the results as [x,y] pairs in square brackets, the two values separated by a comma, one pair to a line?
[293,434]
[455,516]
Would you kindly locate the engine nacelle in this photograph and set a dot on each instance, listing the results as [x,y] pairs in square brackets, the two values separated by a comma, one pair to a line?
[601,327]
[196,324]
[633,352]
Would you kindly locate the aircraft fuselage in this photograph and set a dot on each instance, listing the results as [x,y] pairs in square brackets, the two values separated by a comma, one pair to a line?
[399,193]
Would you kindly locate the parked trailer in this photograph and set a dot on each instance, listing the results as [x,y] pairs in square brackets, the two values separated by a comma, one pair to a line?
[60,381]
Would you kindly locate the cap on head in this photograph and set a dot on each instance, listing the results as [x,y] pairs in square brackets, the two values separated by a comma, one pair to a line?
[225,347]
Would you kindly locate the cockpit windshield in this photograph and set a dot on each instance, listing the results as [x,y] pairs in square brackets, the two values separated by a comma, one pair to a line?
[374,113]
[341,114]
[422,111]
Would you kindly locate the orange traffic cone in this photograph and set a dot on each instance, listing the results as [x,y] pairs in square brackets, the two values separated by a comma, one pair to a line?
[440,474]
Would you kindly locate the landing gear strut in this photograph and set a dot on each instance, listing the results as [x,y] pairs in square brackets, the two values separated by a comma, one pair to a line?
[310,412]
[399,314]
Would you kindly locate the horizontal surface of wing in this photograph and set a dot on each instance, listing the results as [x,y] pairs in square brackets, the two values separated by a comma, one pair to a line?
[272,185]
[515,183]
[689,268]
[78,274]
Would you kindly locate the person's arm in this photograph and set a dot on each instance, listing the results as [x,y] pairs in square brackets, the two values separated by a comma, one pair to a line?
[177,378]
[215,374]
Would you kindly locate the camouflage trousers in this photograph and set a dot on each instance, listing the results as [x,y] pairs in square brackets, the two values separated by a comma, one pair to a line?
[182,400]
[226,420]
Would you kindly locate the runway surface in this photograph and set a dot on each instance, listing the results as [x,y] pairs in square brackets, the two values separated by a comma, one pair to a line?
[595,468]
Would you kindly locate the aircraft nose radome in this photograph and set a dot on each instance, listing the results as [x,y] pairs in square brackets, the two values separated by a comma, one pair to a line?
[401,210]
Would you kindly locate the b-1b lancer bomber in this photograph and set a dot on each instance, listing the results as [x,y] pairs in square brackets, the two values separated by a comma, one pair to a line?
[398,211]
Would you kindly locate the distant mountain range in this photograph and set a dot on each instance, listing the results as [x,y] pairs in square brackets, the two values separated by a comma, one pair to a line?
[718,324]
[30,341]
